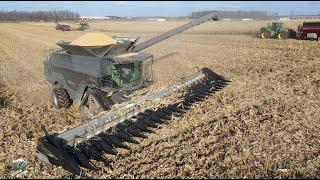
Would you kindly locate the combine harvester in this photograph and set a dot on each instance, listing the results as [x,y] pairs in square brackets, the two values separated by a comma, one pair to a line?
[115,69]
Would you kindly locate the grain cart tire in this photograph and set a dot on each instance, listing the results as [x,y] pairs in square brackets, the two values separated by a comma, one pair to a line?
[292,33]
[283,35]
[264,35]
[60,98]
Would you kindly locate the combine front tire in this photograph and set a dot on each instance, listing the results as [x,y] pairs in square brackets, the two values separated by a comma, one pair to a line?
[93,103]
[60,98]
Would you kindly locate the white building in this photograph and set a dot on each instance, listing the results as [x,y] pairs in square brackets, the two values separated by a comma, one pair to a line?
[284,19]
[161,19]
[156,19]
[247,19]
[93,17]
[226,19]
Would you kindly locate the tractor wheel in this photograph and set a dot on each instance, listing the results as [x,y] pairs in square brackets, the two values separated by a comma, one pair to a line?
[264,35]
[94,103]
[60,98]
[283,35]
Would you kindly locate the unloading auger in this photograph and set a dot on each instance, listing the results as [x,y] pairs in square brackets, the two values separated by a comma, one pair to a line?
[131,119]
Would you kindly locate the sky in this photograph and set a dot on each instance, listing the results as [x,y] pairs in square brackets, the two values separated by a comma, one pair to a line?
[163,8]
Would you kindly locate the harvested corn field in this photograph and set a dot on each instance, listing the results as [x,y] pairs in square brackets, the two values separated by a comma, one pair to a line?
[264,124]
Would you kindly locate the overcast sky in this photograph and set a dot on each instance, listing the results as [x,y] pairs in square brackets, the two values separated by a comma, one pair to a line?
[162,8]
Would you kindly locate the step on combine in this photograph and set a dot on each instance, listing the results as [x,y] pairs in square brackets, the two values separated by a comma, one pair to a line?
[99,75]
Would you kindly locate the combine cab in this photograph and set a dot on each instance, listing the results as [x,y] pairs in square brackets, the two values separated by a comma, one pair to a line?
[99,73]
[276,31]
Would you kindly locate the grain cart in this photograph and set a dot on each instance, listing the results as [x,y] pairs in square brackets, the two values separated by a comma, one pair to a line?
[97,75]
[276,31]
[309,30]
[62,27]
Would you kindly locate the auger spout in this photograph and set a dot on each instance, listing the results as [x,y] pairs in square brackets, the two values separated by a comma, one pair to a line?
[173,32]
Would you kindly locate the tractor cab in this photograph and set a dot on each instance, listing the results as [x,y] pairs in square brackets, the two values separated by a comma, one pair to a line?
[276,26]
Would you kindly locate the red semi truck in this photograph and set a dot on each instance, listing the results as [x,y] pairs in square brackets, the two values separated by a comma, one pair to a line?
[309,30]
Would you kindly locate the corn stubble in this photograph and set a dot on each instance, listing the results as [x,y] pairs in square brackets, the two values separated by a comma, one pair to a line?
[264,124]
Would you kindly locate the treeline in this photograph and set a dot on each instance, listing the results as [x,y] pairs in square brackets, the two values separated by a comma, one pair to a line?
[38,15]
[233,14]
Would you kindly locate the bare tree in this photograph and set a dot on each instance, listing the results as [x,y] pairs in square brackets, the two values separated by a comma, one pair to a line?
[38,15]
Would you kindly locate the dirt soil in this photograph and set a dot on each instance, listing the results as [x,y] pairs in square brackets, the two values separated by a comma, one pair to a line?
[264,124]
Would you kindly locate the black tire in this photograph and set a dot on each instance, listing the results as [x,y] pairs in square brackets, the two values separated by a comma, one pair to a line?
[102,100]
[94,103]
[283,35]
[264,35]
[60,98]
[292,33]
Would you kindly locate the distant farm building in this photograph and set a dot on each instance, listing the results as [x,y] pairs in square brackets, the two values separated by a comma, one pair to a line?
[246,19]
[161,20]
[156,19]
[93,17]
[226,19]
[284,18]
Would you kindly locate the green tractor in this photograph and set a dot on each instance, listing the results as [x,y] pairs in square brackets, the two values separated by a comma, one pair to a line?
[84,26]
[276,31]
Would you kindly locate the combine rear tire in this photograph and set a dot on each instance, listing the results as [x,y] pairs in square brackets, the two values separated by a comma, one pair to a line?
[60,98]
[264,35]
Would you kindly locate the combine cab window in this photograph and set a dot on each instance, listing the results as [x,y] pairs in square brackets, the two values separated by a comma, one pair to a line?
[126,75]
